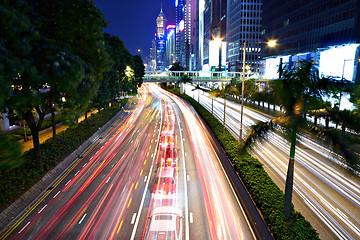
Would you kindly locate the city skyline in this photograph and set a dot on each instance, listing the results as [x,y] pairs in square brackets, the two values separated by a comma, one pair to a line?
[134,21]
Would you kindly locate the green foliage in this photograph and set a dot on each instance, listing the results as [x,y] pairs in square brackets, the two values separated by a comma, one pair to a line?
[14,182]
[54,50]
[177,67]
[10,153]
[265,193]
[139,70]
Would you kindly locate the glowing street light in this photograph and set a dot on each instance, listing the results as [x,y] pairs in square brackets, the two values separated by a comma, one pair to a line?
[271,43]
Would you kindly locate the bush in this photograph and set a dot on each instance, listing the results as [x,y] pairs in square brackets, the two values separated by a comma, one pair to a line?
[267,196]
[14,182]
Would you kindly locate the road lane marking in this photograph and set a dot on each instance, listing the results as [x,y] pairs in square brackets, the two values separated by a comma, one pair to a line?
[56,194]
[141,171]
[77,173]
[68,182]
[42,208]
[185,154]
[129,203]
[191,216]
[24,227]
[133,219]
[187,232]
[188,178]
[145,178]
[137,183]
[85,164]
[82,218]
[108,180]
[144,193]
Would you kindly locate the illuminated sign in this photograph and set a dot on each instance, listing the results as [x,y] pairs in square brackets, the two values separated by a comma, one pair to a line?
[338,62]
[181,25]
[170,27]
[214,53]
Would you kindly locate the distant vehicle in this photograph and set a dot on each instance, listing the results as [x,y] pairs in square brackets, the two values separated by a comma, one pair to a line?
[165,223]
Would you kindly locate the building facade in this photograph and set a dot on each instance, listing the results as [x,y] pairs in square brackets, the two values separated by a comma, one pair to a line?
[160,41]
[244,19]
[170,45]
[326,30]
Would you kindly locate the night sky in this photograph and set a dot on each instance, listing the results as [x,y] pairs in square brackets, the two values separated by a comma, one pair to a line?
[134,21]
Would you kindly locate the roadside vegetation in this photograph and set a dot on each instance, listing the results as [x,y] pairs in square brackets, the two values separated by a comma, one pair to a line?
[70,69]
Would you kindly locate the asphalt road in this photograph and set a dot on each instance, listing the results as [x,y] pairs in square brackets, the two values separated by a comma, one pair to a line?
[325,191]
[115,190]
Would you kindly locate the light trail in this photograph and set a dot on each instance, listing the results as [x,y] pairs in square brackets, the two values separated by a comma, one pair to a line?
[321,178]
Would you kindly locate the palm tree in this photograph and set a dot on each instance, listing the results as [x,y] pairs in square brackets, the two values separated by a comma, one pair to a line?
[296,88]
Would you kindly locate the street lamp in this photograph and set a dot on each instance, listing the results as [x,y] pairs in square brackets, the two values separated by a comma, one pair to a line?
[242,95]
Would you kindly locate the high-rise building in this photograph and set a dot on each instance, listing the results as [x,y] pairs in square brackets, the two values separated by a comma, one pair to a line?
[244,19]
[170,44]
[160,41]
[180,26]
[212,28]
[326,30]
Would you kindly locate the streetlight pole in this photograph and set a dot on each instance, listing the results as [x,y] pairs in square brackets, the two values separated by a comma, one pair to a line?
[242,95]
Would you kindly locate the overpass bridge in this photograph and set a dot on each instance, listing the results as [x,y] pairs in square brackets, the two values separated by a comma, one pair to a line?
[195,76]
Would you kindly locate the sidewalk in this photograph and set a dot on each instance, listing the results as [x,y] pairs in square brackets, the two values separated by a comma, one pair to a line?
[47,133]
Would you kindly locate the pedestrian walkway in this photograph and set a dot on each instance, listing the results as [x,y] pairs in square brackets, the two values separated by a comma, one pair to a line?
[26,146]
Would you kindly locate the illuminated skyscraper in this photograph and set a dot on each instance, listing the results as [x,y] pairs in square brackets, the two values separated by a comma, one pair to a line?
[160,41]
[244,25]
[180,26]
[170,44]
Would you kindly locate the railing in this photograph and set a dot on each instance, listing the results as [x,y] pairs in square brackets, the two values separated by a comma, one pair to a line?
[197,76]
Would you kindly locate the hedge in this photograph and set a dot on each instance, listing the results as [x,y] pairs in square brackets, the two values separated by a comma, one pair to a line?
[14,182]
[267,196]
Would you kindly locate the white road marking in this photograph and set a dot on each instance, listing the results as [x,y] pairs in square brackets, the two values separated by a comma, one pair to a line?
[145,178]
[76,173]
[56,194]
[188,178]
[185,154]
[108,180]
[133,218]
[68,182]
[144,194]
[191,216]
[42,208]
[24,227]
[82,218]
[85,164]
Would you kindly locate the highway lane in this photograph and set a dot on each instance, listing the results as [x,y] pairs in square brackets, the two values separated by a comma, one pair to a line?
[96,198]
[213,203]
[121,182]
[325,192]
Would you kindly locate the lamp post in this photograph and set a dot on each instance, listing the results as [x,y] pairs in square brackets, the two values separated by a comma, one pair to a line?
[242,95]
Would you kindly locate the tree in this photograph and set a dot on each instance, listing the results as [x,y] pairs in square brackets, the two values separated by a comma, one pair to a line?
[177,67]
[139,70]
[296,88]
[59,55]
[227,90]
